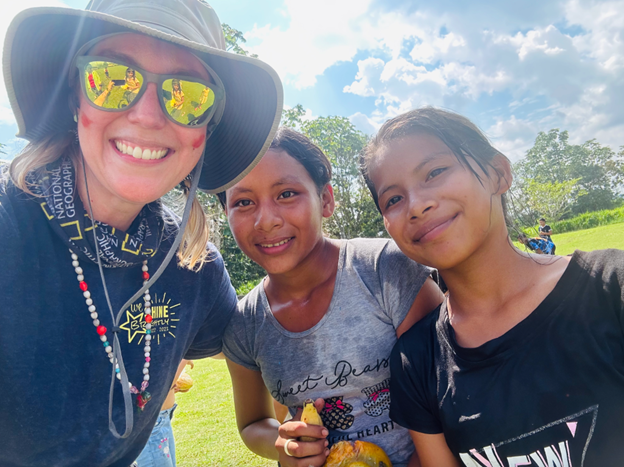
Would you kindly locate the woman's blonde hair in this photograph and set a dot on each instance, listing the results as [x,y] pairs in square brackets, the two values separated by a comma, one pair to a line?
[192,253]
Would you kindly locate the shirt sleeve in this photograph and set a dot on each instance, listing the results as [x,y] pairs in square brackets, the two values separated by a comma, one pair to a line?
[401,279]
[413,403]
[208,341]
[238,338]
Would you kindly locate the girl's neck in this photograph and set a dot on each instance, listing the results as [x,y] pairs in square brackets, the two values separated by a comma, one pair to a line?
[489,277]
[107,207]
[496,288]
[315,270]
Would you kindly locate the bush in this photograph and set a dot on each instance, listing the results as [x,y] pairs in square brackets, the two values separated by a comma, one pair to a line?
[245,288]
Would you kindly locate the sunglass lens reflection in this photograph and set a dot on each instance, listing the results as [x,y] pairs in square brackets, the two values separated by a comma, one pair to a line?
[111,86]
[187,102]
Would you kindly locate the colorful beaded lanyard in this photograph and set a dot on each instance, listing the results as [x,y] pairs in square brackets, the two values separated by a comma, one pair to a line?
[143,396]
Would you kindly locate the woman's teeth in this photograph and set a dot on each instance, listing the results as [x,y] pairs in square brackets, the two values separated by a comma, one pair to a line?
[272,245]
[139,153]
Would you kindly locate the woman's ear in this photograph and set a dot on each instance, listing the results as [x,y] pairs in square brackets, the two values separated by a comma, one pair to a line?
[502,167]
[327,200]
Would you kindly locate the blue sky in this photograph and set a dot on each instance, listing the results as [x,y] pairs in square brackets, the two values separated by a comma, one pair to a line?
[514,68]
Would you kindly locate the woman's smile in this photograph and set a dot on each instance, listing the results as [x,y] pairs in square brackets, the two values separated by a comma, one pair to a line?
[140,152]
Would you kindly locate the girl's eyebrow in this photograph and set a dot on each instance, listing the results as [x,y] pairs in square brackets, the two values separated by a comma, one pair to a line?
[288,180]
[431,157]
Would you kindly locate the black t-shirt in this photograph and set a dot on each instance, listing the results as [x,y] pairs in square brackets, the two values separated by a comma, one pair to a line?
[54,373]
[546,228]
[549,392]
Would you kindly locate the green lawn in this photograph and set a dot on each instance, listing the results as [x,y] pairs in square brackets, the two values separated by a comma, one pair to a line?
[204,423]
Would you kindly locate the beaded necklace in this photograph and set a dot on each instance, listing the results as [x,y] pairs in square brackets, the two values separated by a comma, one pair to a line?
[143,396]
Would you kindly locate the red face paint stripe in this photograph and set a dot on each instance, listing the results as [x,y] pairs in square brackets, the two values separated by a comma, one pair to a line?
[198,142]
[86,122]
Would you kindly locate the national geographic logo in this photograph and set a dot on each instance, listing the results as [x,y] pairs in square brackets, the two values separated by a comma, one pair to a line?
[164,320]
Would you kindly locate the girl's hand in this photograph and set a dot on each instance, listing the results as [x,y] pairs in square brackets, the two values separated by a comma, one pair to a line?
[301,453]
[293,452]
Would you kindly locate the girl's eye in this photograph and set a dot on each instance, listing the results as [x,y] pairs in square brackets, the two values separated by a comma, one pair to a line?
[242,203]
[287,194]
[392,201]
[435,172]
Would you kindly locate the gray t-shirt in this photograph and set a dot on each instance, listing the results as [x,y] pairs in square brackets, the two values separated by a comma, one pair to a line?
[344,358]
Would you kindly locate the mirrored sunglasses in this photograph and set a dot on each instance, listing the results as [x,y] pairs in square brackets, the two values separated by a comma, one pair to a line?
[114,86]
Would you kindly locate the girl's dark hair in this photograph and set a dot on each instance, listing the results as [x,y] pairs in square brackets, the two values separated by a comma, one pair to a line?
[304,151]
[458,133]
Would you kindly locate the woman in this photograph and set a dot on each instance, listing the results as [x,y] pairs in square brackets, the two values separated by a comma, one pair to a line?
[89,342]
[323,321]
[523,364]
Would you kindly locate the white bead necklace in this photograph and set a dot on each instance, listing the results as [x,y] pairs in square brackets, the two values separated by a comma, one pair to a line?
[143,396]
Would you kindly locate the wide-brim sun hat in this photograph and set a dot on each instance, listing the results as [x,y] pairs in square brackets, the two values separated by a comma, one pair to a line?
[41,43]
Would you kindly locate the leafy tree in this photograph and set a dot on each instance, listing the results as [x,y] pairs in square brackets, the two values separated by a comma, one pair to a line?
[599,170]
[356,214]
[292,118]
[233,40]
[553,200]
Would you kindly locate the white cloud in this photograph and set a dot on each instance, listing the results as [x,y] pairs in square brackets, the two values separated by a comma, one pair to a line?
[364,123]
[516,68]
[314,39]
[513,137]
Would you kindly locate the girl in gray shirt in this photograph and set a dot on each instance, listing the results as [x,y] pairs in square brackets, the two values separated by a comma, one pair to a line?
[323,322]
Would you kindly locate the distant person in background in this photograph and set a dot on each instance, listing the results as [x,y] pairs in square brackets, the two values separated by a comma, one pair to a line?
[537,245]
[545,232]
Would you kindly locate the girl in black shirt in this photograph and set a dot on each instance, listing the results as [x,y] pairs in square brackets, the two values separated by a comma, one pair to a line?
[524,362]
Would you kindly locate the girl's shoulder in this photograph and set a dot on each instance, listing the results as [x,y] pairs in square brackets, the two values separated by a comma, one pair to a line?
[254,302]
[606,264]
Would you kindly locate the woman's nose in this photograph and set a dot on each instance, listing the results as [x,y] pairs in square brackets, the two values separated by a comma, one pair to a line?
[147,112]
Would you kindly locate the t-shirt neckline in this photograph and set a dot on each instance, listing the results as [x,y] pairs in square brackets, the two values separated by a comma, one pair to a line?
[522,332]
[307,332]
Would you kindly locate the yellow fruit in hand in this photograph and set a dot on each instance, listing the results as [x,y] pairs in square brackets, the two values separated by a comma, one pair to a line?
[310,416]
[184,382]
[357,454]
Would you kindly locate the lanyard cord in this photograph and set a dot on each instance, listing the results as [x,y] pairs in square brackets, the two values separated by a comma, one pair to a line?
[117,357]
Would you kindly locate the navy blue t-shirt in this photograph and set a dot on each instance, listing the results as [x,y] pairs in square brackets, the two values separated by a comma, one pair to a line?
[54,373]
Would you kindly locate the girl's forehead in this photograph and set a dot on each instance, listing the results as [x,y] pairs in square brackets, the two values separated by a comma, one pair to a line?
[276,168]
[410,151]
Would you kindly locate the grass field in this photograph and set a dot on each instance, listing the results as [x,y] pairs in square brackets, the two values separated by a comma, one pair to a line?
[204,423]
